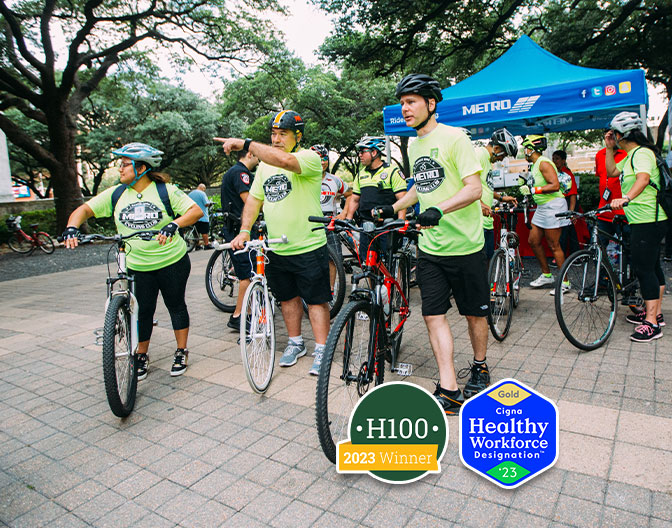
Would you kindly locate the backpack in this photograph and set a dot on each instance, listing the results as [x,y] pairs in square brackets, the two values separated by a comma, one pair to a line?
[664,192]
[163,194]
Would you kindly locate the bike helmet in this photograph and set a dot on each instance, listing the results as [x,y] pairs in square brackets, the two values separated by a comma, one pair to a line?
[140,152]
[420,84]
[321,151]
[287,120]
[538,143]
[626,122]
[370,142]
[506,140]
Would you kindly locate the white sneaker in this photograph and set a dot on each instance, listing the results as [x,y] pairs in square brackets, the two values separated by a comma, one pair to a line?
[565,288]
[542,280]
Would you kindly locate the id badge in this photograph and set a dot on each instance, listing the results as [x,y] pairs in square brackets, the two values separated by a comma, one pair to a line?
[606,194]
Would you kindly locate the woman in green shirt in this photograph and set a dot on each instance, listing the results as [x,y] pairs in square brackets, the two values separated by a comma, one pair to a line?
[639,173]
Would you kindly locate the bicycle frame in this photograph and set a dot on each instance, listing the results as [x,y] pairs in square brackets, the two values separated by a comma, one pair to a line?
[127,289]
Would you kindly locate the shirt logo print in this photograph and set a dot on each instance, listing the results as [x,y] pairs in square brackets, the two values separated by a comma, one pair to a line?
[277,188]
[428,174]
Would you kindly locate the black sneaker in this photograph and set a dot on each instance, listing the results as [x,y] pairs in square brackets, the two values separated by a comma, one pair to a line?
[451,406]
[179,362]
[234,323]
[142,366]
[639,317]
[480,379]
[646,332]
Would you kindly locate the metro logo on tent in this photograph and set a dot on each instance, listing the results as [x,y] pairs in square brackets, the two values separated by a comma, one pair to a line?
[524,104]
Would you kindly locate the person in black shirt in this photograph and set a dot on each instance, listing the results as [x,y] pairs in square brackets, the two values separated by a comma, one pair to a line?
[236,185]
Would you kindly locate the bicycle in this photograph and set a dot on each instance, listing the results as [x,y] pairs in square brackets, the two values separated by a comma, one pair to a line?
[257,328]
[587,290]
[367,332]
[191,236]
[120,330]
[21,242]
[504,273]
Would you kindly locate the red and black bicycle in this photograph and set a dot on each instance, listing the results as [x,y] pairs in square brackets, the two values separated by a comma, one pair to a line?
[21,242]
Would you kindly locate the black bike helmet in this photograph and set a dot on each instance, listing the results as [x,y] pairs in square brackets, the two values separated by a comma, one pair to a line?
[420,84]
[321,151]
[506,140]
[287,120]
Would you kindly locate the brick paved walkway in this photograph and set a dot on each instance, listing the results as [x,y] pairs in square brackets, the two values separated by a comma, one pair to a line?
[203,450]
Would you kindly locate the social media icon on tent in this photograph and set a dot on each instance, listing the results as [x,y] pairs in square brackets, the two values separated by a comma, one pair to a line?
[624,87]
[584,93]
[596,91]
[610,90]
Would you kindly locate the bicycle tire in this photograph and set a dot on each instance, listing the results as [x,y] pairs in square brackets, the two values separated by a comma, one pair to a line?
[501,298]
[401,274]
[338,294]
[257,338]
[221,281]
[585,321]
[119,361]
[45,243]
[344,363]
[191,237]
[517,276]
[19,245]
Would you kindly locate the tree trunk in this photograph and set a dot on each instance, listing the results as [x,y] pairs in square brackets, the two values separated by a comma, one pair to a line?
[67,194]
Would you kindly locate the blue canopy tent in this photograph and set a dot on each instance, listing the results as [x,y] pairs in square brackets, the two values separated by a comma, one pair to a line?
[531,91]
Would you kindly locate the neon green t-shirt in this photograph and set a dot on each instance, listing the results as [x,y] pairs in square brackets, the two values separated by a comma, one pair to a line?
[133,214]
[642,209]
[540,181]
[440,161]
[486,181]
[289,199]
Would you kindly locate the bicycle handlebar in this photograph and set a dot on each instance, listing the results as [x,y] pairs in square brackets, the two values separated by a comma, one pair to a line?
[589,214]
[403,226]
[86,239]
[251,244]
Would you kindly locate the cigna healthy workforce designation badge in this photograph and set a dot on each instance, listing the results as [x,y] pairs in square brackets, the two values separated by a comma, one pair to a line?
[398,434]
[509,433]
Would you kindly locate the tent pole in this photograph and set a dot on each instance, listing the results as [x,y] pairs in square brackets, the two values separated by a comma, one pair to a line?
[388,148]
[642,114]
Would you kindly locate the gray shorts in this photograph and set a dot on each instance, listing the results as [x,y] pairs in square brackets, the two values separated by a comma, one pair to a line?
[544,217]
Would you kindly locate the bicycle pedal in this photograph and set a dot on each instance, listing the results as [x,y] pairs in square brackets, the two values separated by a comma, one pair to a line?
[362,316]
[403,369]
[99,340]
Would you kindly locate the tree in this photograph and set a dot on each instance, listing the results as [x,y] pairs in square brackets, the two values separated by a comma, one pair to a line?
[100,36]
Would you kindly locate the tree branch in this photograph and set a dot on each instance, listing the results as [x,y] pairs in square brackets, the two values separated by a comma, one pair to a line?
[23,141]
[7,101]
[17,35]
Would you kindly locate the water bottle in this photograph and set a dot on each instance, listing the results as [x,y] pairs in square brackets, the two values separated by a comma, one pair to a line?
[385,299]
[612,254]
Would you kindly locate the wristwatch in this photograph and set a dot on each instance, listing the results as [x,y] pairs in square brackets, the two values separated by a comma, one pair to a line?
[246,145]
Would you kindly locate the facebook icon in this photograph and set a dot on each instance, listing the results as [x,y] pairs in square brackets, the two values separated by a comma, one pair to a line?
[584,93]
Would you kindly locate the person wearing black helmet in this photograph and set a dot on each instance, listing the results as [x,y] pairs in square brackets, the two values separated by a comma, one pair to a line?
[502,144]
[376,183]
[288,185]
[451,256]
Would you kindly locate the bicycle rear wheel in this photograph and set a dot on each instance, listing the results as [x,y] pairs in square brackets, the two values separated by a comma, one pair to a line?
[401,274]
[586,315]
[501,298]
[45,243]
[257,337]
[344,375]
[191,237]
[516,278]
[338,289]
[19,244]
[221,281]
[119,361]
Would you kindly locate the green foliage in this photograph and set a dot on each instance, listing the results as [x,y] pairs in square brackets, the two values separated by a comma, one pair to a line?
[589,190]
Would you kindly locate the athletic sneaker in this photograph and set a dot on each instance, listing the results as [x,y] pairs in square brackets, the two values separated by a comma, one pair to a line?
[639,317]
[565,288]
[179,362]
[542,280]
[480,379]
[142,366]
[646,332]
[292,354]
[234,322]
[317,362]
[451,406]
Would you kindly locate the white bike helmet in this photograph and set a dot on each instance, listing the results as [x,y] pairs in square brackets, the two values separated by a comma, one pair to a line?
[626,122]
[506,140]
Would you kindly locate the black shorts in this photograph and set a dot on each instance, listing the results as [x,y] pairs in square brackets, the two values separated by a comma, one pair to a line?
[202,227]
[466,277]
[242,263]
[305,275]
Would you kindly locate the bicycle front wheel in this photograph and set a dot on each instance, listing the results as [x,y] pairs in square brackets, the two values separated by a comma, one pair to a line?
[587,311]
[119,361]
[338,285]
[344,374]
[397,304]
[191,237]
[516,276]
[45,243]
[19,244]
[501,298]
[221,281]
[257,337]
